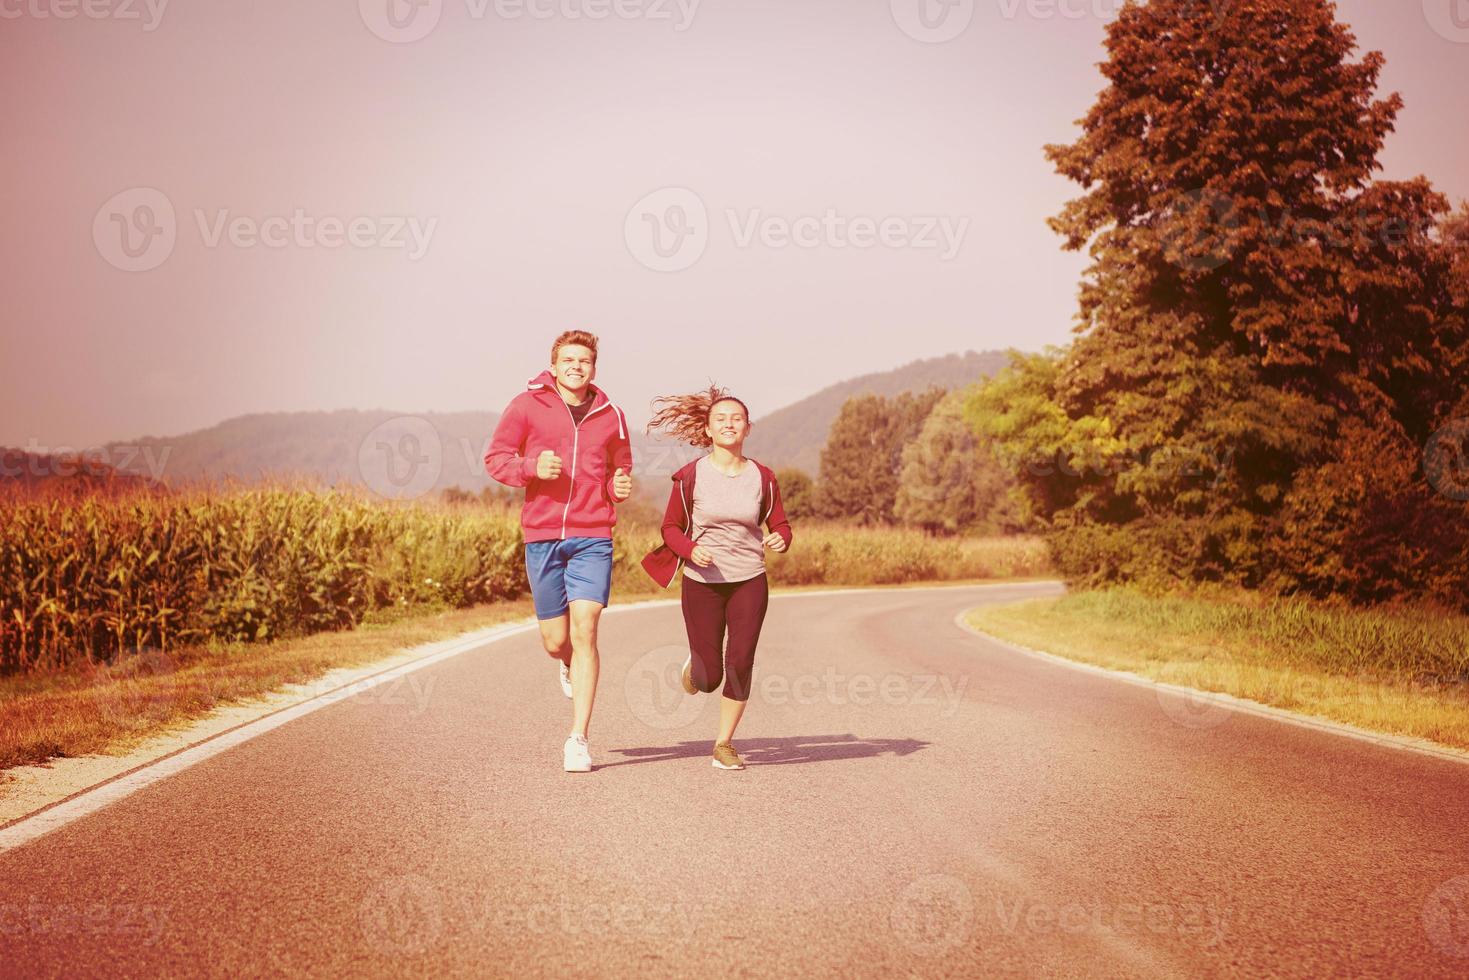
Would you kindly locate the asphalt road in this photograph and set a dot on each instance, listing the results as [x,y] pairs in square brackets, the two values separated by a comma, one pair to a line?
[919,802]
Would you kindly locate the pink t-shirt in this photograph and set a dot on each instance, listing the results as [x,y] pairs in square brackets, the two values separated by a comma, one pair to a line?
[727,522]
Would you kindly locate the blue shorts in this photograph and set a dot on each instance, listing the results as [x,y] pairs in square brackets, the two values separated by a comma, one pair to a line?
[571,568]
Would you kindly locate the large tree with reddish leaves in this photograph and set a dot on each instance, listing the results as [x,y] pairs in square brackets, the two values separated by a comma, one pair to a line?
[1255,296]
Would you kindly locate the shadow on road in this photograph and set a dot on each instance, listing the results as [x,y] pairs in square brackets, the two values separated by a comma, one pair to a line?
[777,751]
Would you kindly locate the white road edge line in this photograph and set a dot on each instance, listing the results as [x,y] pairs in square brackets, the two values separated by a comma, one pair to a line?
[58,815]
[1242,705]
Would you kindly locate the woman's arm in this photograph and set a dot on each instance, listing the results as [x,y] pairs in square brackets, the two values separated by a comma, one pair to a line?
[776,523]
[675,534]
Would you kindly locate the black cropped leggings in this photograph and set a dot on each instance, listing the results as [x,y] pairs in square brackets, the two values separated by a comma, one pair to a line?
[711,609]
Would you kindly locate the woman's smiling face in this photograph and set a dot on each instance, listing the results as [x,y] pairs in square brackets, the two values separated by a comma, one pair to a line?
[728,425]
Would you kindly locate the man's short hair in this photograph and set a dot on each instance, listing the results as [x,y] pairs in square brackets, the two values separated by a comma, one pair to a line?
[578,337]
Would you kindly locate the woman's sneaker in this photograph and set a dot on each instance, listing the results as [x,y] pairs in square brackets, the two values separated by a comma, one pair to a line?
[687,676]
[578,757]
[725,757]
[565,679]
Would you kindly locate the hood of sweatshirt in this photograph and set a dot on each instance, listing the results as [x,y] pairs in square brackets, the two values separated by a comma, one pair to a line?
[545,384]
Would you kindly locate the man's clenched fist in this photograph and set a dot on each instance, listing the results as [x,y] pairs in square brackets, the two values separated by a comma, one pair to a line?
[621,485]
[548,465]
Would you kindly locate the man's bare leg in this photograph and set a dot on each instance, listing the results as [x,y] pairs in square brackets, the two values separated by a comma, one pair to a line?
[556,637]
[585,663]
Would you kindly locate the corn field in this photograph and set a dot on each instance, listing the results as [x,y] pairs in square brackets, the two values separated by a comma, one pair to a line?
[87,577]
[84,578]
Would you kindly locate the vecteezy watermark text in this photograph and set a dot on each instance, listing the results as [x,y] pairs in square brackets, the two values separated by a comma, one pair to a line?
[1207,922]
[831,229]
[36,460]
[405,915]
[35,918]
[406,21]
[150,12]
[669,229]
[302,230]
[136,229]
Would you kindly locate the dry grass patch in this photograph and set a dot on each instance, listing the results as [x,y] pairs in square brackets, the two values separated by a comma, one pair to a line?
[1402,671]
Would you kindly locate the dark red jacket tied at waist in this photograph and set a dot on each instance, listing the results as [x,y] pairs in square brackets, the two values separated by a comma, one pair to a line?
[663,562]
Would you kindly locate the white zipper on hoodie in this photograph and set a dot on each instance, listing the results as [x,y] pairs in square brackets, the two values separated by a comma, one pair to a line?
[688,517]
[576,437]
[575,440]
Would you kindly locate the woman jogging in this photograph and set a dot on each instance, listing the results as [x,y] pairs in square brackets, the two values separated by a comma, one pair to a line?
[712,528]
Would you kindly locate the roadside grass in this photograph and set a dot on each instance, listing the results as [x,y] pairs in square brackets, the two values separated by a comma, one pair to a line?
[68,713]
[834,554]
[1398,670]
[110,708]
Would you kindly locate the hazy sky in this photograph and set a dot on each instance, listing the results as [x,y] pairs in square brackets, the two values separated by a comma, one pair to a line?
[837,187]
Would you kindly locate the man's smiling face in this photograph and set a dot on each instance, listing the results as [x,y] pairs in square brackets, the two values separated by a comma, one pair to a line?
[574,368]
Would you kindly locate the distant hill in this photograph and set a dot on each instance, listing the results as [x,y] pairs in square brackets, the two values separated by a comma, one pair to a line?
[396,454]
[408,455]
[795,435]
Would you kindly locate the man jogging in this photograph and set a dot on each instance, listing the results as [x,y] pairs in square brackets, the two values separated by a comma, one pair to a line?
[567,444]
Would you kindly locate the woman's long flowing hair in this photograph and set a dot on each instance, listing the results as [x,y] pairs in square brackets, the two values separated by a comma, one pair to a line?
[685,417]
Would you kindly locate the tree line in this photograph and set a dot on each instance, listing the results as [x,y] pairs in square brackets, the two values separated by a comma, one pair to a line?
[1267,386]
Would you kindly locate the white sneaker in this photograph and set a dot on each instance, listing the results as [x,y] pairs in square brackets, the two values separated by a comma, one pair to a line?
[578,757]
[565,679]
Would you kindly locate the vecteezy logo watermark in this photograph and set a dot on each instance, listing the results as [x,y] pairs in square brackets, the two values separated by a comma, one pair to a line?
[654,689]
[405,21]
[401,458]
[946,467]
[1199,709]
[150,12]
[932,21]
[933,915]
[1446,460]
[138,689]
[1449,18]
[401,21]
[136,230]
[1198,230]
[669,229]
[401,916]
[1446,916]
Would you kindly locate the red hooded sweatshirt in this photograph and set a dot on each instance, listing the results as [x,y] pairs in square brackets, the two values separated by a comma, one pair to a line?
[578,503]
